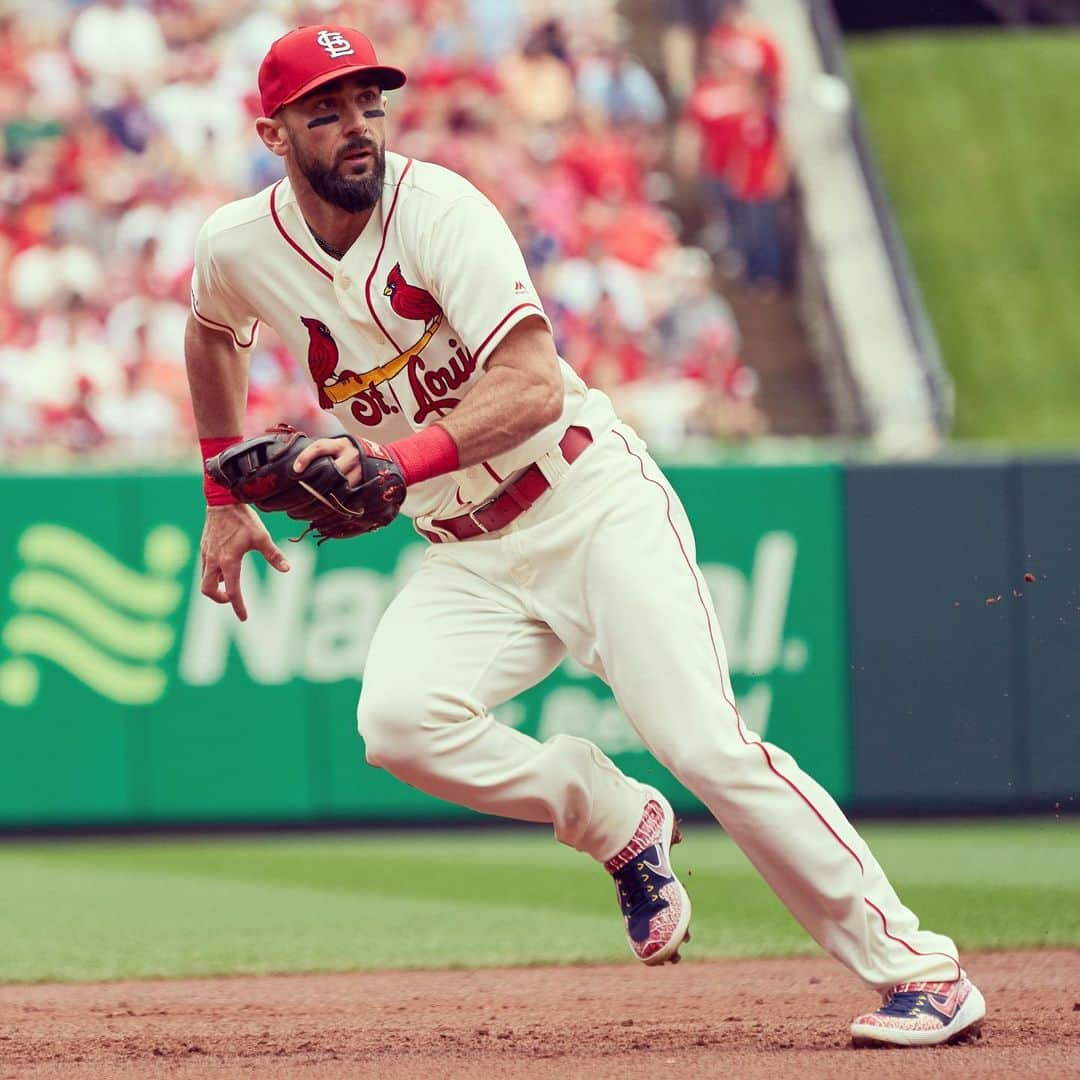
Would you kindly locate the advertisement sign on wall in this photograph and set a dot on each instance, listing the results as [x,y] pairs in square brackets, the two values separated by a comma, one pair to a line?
[128,696]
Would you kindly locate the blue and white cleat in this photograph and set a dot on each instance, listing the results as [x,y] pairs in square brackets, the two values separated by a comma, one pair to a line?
[923,1014]
[655,906]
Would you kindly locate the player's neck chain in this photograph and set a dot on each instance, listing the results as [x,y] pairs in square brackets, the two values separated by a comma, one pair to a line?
[333,252]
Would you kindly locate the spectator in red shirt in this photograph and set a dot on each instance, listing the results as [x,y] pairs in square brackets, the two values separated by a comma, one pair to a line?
[730,138]
[708,131]
[750,49]
[719,95]
[73,426]
[757,180]
[599,158]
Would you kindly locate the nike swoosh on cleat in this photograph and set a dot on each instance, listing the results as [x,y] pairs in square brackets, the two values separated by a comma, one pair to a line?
[662,866]
[946,1004]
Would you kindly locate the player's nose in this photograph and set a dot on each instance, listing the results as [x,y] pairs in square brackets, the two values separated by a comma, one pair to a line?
[353,120]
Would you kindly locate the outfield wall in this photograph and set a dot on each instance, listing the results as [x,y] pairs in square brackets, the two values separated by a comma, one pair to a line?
[877,620]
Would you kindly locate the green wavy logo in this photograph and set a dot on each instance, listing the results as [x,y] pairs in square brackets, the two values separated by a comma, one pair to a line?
[83,610]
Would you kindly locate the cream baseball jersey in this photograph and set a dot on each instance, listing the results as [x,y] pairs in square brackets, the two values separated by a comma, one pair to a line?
[398,331]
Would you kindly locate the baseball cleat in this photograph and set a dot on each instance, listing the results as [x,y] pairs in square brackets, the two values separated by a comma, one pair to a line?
[655,906]
[923,1014]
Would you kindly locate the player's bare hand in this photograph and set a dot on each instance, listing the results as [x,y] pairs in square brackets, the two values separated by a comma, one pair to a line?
[345,456]
[229,534]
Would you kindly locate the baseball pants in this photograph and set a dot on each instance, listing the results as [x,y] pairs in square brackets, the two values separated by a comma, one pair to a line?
[603,567]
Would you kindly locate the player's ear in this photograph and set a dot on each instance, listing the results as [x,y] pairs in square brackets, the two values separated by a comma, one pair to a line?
[273,134]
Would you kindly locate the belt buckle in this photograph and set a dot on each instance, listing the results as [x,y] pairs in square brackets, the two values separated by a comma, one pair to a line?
[471,515]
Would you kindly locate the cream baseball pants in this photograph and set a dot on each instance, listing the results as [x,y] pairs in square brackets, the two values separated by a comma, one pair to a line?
[603,567]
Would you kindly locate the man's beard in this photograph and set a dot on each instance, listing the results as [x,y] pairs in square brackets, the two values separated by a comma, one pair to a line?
[354,194]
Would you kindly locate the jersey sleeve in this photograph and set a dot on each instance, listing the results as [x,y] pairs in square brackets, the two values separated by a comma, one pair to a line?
[475,270]
[213,301]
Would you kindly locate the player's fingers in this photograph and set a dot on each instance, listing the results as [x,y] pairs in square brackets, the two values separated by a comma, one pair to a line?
[211,584]
[320,448]
[347,461]
[230,572]
[349,465]
[273,554]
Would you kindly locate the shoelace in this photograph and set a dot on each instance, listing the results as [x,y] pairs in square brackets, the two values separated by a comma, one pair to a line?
[639,887]
[905,1003]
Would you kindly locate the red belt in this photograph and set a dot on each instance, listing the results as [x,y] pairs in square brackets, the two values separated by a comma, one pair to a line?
[514,499]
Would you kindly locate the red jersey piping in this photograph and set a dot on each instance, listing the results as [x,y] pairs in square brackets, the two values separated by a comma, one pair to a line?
[292,243]
[378,257]
[502,322]
[222,326]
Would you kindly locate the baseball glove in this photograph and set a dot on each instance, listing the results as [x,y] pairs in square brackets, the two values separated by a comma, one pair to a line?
[260,471]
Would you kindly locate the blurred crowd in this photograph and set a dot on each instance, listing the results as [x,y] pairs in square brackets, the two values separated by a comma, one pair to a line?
[125,125]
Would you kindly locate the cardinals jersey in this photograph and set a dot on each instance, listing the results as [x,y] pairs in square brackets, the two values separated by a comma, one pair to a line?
[396,333]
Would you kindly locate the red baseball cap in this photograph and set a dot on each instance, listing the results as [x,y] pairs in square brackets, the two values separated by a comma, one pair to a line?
[312,55]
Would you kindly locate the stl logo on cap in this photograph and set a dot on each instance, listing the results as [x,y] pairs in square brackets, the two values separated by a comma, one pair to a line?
[334,43]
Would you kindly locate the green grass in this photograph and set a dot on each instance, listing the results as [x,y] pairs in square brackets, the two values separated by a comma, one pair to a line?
[115,909]
[976,135]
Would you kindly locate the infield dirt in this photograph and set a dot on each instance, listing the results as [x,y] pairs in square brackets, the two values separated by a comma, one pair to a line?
[737,1018]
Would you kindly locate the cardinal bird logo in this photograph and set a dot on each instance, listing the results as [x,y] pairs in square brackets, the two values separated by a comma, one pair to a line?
[362,388]
[410,302]
[322,356]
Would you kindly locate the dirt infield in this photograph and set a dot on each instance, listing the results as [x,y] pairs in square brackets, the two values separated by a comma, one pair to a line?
[736,1018]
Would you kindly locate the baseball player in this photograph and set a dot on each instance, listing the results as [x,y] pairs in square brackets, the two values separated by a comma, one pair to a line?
[551,530]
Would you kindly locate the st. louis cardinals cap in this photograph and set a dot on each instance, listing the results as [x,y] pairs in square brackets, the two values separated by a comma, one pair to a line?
[311,55]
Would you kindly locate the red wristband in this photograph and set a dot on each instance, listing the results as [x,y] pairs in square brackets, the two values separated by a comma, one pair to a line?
[429,453]
[216,494]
